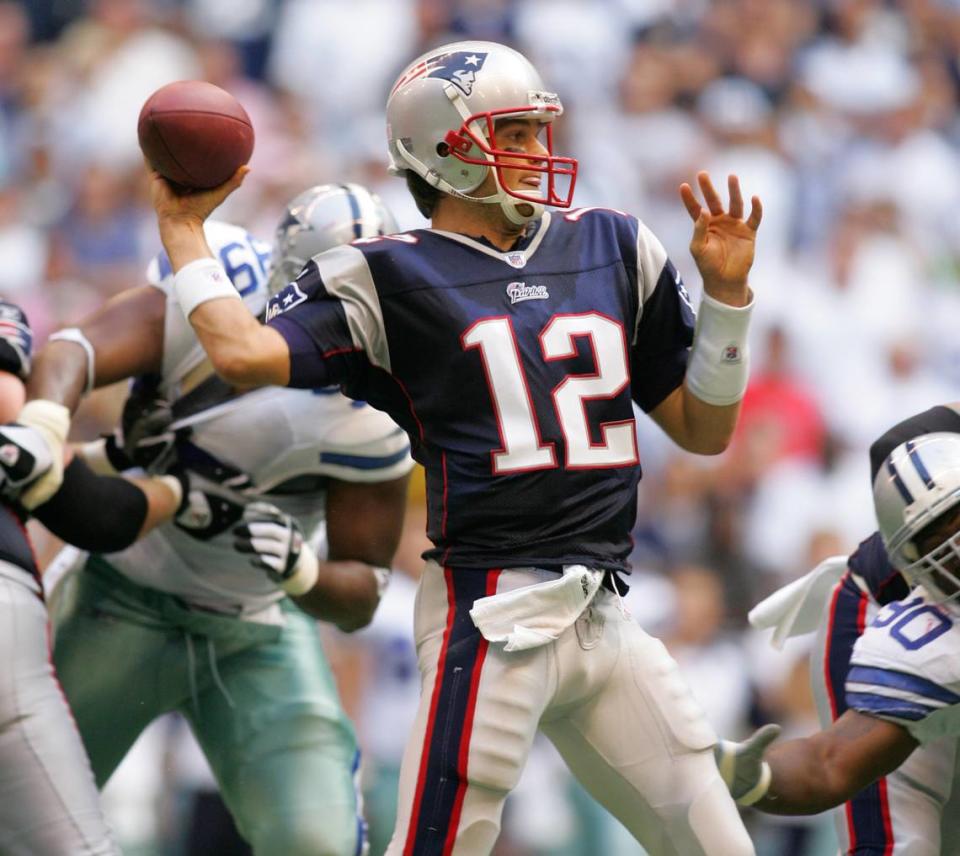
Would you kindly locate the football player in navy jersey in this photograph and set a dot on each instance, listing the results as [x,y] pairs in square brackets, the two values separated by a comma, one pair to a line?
[48,799]
[511,343]
[898,813]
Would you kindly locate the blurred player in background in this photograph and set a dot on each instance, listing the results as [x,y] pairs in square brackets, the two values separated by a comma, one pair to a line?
[511,343]
[182,622]
[48,800]
[903,684]
[899,813]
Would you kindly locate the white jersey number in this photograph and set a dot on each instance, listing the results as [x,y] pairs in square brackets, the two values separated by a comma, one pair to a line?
[523,448]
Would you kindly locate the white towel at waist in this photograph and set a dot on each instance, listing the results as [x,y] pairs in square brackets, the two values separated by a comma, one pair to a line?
[535,615]
[796,608]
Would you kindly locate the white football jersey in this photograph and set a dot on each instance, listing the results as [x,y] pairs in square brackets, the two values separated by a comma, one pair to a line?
[906,668]
[279,437]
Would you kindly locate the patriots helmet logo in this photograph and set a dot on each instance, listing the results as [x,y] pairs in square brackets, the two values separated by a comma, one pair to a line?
[459,67]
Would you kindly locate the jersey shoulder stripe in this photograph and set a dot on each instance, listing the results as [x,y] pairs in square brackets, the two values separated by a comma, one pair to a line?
[891,679]
[888,708]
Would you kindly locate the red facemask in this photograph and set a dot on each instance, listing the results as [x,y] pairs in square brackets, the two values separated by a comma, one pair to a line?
[463,140]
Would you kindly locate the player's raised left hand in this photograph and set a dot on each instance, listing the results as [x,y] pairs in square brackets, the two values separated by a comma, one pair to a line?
[723,242]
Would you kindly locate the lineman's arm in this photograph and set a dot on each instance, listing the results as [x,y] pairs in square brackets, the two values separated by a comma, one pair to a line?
[242,350]
[364,523]
[819,772]
[105,514]
[125,336]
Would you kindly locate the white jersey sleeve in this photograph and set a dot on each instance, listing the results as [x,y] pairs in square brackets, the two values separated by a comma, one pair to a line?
[246,261]
[905,668]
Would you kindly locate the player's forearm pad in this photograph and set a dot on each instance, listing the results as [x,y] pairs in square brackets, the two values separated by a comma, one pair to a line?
[719,364]
[200,281]
[101,514]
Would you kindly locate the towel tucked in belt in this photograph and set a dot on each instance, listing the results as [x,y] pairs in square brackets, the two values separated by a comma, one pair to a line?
[535,615]
[796,608]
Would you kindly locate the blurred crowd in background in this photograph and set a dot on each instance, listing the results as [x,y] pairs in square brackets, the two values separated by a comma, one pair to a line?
[840,114]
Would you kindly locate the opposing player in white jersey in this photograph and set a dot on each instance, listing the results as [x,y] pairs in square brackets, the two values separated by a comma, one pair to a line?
[179,621]
[903,686]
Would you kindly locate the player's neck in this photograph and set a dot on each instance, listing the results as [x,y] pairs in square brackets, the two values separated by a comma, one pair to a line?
[477,220]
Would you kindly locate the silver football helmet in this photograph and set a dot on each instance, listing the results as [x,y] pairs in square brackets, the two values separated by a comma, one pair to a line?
[441,115]
[919,483]
[322,217]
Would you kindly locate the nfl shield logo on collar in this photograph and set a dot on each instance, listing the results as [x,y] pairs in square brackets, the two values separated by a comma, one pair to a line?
[517,260]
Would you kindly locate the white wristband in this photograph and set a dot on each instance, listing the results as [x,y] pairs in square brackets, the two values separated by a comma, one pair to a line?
[75,335]
[201,280]
[305,573]
[719,365]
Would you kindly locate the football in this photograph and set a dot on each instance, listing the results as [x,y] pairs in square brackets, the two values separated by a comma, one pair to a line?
[195,134]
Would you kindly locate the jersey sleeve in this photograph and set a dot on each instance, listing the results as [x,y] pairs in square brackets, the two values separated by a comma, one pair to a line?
[331,320]
[905,668]
[364,445]
[665,326]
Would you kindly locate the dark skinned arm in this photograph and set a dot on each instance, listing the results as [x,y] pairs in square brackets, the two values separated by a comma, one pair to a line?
[127,337]
[364,523]
[819,772]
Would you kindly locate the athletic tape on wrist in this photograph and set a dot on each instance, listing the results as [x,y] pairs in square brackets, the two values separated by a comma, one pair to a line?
[95,454]
[176,488]
[47,416]
[305,573]
[719,365]
[200,281]
[759,790]
[75,335]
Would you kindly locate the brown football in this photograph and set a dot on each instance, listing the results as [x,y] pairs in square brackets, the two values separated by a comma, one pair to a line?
[194,133]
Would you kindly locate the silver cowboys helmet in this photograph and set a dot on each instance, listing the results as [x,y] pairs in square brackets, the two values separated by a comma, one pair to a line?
[320,218]
[441,115]
[917,484]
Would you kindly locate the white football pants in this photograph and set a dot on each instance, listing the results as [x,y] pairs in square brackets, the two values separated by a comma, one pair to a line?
[609,697]
[49,804]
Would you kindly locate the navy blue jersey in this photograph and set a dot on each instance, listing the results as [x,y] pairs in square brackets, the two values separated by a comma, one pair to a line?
[871,563]
[513,372]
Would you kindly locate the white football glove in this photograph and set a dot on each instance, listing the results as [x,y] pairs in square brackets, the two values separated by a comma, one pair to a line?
[24,457]
[742,768]
[51,421]
[276,542]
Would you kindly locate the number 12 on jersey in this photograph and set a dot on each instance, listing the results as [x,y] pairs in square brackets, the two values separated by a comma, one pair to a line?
[522,447]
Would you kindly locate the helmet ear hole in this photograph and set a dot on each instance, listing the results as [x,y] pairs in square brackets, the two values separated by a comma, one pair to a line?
[443,149]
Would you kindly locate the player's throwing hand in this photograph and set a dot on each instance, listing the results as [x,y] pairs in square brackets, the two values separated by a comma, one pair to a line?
[723,242]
